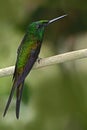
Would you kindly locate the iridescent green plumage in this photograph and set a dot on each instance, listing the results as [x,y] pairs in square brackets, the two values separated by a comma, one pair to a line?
[27,54]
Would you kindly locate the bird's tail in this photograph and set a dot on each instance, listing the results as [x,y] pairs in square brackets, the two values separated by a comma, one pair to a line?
[18,98]
[9,99]
[19,89]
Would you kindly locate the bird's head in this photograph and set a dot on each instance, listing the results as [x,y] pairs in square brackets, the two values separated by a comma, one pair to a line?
[37,28]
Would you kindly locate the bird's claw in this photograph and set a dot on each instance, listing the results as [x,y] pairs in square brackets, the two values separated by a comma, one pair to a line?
[38,60]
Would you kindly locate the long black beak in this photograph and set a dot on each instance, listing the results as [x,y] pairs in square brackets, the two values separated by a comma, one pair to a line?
[56,19]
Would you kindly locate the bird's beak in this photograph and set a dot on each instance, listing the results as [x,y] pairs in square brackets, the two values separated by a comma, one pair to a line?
[56,19]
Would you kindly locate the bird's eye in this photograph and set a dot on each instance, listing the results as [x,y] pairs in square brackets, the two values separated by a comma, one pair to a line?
[38,26]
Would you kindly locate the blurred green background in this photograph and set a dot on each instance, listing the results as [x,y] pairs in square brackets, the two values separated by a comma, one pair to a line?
[55,97]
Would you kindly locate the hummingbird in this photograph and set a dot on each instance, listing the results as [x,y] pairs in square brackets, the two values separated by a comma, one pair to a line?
[27,54]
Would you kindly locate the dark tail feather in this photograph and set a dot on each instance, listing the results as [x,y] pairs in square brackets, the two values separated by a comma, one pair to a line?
[9,99]
[19,96]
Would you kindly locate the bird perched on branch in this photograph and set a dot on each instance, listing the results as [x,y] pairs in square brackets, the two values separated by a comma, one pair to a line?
[27,54]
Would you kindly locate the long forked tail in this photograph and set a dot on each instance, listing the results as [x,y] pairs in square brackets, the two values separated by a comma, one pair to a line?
[18,98]
[9,99]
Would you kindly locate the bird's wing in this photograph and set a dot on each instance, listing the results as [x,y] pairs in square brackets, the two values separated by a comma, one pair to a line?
[29,63]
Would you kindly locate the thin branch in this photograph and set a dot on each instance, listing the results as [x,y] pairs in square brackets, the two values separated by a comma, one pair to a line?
[74,55]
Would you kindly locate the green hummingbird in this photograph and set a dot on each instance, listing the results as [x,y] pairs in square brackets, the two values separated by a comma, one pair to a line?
[27,54]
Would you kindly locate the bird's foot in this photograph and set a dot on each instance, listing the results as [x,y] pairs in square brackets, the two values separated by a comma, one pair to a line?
[38,60]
